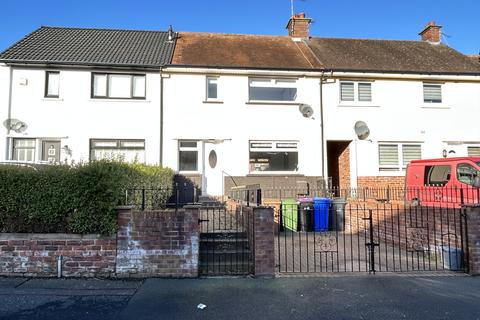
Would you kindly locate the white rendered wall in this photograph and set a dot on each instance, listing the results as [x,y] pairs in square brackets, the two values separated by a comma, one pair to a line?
[188,117]
[76,118]
[397,113]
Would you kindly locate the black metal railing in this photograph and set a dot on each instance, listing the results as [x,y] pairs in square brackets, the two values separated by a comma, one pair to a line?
[247,195]
[320,237]
[426,195]
[176,196]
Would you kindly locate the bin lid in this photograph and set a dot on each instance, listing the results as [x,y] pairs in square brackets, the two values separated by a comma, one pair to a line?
[321,200]
[305,199]
[289,201]
[339,200]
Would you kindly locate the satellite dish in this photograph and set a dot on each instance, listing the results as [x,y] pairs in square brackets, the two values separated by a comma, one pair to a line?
[15,125]
[361,130]
[306,110]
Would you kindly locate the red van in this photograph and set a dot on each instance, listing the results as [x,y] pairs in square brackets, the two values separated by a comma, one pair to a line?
[447,181]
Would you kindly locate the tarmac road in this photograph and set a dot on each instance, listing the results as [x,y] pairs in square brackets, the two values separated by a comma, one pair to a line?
[330,297]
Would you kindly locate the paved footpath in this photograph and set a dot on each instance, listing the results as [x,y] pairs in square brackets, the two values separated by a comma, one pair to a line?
[336,297]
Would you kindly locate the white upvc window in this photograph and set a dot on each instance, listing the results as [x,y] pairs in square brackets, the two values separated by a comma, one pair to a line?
[52,84]
[24,149]
[396,156]
[212,88]
[118,86]
[432,93]
[188,152]
[282,90]
[355,91]
[273,156]
[128,150]
[473,151]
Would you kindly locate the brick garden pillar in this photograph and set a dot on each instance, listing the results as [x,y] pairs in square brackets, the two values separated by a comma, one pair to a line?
[473,233]
[264,243]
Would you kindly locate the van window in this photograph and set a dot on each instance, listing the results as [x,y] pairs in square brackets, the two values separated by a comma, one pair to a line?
[437,175]
[467,173]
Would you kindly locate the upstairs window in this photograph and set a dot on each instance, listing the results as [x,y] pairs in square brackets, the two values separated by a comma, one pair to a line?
[283,90]
[52,84]
[212,88]
[280,156]
[118,86]
[396,157]
[355,91]
[114,149]
[432,93]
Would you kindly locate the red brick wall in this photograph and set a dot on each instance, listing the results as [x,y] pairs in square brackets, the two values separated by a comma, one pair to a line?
[36,255]
[473,230]
[344,168]
[157,243]
[376,182]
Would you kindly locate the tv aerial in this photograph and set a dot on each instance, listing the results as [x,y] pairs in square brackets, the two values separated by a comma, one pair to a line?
[306,110]
[15,125]
[361,130]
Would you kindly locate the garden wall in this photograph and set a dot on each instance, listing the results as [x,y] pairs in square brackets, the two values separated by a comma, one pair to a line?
[154,243]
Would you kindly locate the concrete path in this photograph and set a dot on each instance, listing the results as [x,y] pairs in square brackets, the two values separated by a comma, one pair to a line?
[336,297]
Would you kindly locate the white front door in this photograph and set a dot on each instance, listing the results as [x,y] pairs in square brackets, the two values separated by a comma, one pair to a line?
[212,182]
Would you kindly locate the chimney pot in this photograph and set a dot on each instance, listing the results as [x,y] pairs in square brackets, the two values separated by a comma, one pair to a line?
[431,33]
[298,26]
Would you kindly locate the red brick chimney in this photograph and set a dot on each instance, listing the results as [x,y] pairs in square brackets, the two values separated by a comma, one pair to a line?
[431,33]
[298,26]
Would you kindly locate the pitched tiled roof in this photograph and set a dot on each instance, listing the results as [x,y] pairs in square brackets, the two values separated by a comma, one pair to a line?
[81,46]
[391,56]
[242,51]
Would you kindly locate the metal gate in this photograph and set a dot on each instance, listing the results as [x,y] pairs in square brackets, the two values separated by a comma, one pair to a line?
[371,238]
[226,238]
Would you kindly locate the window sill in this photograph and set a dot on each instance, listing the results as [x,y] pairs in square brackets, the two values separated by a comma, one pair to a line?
[119,100]
[357,105]
[432,106]
[288,103]
[52,99]
[213,101]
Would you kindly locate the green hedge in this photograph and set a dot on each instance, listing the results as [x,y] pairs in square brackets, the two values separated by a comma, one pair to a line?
[75,199]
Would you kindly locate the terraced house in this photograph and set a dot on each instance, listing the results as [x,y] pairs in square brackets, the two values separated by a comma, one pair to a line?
[225,109]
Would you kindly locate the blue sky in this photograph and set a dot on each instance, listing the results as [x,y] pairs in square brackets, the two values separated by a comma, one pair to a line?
[377,19]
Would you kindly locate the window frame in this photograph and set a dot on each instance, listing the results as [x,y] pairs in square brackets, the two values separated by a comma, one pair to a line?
[207,79]
[34,149]
[400,166]
[47,84]
[118,146]
[434,102]
[273,81]
[187,149]
[356,92]
[107,87]
[273,146]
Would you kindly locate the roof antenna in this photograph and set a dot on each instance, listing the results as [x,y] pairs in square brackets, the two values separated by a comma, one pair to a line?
[170,33]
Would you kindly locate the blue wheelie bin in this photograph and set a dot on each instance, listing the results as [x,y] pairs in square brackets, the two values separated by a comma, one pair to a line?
[321,210]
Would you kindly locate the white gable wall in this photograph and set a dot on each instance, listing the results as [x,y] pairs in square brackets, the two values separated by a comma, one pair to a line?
[75,117]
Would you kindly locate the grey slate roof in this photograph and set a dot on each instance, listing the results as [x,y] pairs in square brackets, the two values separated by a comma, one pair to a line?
[95,47]
[390,56]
